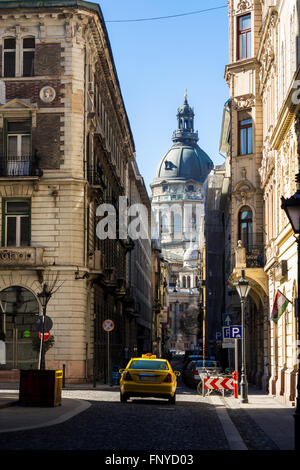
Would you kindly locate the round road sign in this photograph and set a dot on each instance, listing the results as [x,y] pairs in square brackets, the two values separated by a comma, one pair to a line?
[108,325]
[46,335]
[39,323]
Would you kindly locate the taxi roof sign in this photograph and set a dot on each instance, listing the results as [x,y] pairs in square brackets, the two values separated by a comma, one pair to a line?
[148,356]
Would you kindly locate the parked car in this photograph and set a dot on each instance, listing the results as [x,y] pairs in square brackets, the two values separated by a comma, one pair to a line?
[191,358]
[201,367]
[191,352]
[187,374]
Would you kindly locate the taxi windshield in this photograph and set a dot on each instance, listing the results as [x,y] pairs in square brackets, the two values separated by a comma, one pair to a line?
[148,364]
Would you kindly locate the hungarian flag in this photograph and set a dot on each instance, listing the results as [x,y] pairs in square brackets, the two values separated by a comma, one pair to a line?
[279,306]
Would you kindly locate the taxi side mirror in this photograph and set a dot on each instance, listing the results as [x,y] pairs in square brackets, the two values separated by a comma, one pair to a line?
[177,373]
[121,371]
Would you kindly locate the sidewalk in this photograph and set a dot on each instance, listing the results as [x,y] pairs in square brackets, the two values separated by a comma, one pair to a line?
[264,423]
[267,414]
[17,418]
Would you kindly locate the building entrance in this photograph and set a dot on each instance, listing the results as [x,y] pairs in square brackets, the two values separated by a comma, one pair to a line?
[19,309]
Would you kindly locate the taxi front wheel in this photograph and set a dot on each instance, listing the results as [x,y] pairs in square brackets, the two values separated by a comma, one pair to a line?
[124,397]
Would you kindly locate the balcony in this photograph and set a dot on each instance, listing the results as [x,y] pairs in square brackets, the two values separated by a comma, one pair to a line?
[251,258]
[19,167]
[95,177]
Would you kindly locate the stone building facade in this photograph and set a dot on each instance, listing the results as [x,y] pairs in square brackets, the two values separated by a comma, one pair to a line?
[67,148]
[262,77]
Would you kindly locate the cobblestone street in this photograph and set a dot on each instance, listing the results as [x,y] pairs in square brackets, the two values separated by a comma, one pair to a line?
[195,423]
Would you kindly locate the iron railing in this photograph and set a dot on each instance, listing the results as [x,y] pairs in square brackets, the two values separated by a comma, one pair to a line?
[19,166]
[95,176]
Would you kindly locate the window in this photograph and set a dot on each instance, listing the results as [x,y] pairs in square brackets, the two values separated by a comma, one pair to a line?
[245,136]
[245,227]
[165,188]
[18,57]
[177,223]
[244,37]
[18,147]
[17,223]
[28,57]
[9,57]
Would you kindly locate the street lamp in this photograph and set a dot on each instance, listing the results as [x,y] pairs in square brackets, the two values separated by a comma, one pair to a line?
[44,298]
[291,207]
[243,287]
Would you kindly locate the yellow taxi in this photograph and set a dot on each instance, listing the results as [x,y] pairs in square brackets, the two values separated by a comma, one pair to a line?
[148,376]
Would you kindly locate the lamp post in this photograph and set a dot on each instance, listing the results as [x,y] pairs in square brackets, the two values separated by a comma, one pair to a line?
[44,298]
[243,287]
[291,207]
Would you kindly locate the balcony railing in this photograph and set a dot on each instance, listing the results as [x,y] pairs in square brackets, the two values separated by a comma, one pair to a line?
[250,255]
[95,176]
[16,166]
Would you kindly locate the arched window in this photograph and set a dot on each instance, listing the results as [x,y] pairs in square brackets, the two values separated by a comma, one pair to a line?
[19,310]
[177,223]
[164,224]
[188,282]
[184,282]
[245,227]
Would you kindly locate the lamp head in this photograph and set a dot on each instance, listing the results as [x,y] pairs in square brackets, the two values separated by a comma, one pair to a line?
[242,286]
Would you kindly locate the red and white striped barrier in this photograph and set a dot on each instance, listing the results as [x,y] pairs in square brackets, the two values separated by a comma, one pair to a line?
[219,383]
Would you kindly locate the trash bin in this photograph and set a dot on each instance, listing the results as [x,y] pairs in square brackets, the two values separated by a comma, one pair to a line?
[40,387]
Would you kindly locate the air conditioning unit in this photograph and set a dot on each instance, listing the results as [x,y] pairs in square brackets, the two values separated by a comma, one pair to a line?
[96,261]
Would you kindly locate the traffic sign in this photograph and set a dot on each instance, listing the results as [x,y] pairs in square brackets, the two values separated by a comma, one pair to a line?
[46,335]
[236,332]
[227,319]
[219,383]
[108,325]
[47,326]
[218,335]
[226,332]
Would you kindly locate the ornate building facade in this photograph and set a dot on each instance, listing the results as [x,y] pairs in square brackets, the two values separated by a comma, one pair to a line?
[66,147]
[262,77]
[178,208]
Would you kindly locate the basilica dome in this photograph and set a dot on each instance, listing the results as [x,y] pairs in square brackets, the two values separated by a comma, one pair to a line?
[191,254]
[185,160]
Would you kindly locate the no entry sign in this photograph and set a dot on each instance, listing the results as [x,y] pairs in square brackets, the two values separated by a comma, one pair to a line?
[108,325]
[46,335]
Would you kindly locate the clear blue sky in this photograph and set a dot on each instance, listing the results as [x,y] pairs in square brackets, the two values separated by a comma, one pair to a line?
[157,60]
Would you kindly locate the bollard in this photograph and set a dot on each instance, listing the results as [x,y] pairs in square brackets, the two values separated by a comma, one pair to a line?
[235,379]
[64,376]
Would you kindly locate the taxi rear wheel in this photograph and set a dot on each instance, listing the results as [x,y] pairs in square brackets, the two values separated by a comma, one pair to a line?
[124,397]
[172,400]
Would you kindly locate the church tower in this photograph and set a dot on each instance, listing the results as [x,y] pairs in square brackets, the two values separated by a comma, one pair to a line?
[178,209]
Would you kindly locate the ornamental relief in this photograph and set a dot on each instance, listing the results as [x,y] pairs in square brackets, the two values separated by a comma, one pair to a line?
[244,6]
[267,56]
[243,102]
